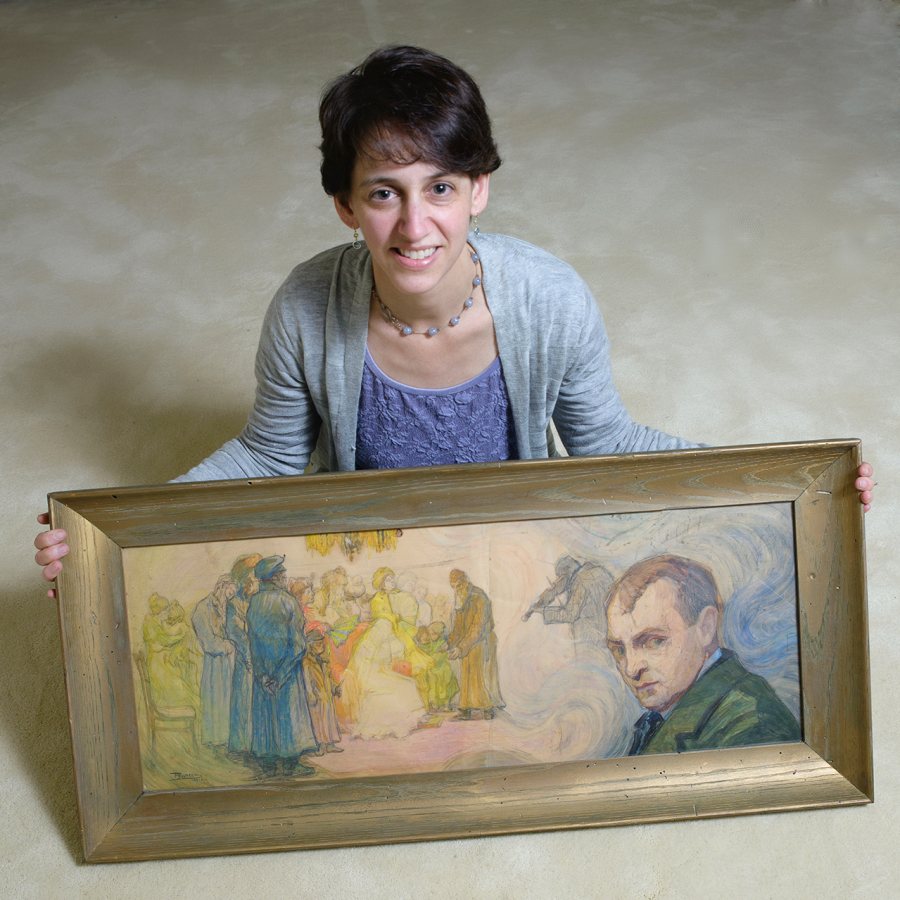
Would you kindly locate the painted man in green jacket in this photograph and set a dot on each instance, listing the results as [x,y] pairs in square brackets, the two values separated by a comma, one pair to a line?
[664,617]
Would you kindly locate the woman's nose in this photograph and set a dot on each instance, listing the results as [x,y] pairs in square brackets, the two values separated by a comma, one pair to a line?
[414,221]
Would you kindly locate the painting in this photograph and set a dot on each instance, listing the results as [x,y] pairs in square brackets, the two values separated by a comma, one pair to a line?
[462,646]
[421,654]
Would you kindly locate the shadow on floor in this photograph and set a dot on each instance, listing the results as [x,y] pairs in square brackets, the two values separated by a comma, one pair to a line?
[101,411]
[98,414]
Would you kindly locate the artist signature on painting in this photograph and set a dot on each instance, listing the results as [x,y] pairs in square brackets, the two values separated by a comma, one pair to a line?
[185,776]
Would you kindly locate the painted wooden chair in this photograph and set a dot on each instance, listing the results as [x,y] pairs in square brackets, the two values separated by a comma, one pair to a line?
[164,718]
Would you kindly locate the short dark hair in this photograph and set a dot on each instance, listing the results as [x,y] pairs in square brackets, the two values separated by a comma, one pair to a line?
[695,585]
[404,104]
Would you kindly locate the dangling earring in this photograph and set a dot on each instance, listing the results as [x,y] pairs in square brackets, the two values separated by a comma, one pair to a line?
[356,244]
[474,225]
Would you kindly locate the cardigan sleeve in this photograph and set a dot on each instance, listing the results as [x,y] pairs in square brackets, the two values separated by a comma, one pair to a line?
[284,424]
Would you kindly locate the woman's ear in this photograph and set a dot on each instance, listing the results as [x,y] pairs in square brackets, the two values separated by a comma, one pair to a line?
[345,212]
[481,186]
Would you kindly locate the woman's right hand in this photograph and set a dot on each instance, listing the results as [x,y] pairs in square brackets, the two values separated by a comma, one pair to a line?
[51,548]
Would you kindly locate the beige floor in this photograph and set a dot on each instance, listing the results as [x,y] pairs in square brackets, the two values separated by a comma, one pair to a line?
[725,176]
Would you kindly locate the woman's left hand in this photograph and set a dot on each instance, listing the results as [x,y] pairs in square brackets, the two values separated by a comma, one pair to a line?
[865,485]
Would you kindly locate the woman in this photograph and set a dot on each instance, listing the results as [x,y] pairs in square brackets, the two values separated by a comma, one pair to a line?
[430,343]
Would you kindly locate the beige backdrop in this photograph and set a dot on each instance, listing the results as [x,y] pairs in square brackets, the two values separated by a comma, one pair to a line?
[727,179]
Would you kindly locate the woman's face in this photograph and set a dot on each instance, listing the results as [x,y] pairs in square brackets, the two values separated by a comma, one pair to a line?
[415,220]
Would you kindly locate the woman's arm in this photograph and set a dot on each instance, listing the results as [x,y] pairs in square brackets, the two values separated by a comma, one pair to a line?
[283,425]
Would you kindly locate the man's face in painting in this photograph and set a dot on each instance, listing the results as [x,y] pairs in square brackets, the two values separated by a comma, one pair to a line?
[658,654]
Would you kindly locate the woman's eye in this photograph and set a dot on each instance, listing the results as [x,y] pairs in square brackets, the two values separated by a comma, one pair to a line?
[382,194]
[442,189]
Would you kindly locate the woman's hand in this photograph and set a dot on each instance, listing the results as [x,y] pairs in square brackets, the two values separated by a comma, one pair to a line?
[51,548]
[865,485]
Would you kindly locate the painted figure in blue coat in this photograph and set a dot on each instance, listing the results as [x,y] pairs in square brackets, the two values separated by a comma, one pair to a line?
[276,628]
[239,725]
[208,620]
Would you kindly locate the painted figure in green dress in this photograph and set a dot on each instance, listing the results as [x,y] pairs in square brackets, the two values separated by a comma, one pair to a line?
[438,684]
[173,657]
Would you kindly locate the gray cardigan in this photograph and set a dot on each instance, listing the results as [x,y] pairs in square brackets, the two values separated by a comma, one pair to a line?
[553,349]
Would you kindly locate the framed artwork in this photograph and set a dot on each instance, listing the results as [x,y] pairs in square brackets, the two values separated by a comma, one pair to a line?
[431,653]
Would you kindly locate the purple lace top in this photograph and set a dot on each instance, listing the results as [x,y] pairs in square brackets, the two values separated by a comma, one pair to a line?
[400,426]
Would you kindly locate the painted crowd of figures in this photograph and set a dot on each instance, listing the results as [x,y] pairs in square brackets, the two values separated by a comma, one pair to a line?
[280,669]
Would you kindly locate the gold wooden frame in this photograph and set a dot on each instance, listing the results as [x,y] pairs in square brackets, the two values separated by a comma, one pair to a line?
[831,767]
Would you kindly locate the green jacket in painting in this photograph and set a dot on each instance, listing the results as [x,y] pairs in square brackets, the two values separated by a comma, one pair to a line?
[727,706]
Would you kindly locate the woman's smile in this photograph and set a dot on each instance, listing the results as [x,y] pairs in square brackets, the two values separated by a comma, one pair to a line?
[415,260]
[417,254]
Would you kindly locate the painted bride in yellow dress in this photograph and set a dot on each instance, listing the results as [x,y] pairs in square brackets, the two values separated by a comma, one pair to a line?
[379,684]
